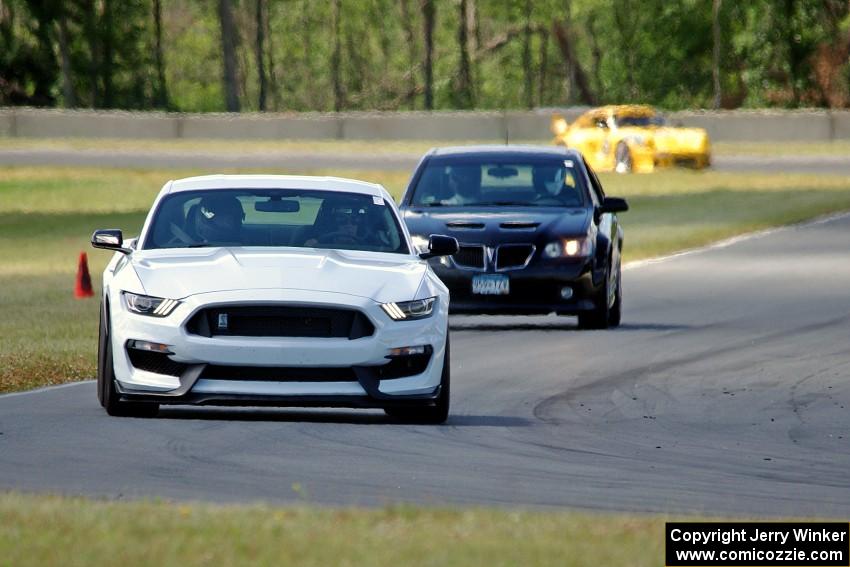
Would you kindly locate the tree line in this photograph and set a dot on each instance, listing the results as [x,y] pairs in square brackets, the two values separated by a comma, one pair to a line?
[335,55]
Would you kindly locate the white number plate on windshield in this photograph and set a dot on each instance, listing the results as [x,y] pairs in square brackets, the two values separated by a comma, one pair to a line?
[491,284]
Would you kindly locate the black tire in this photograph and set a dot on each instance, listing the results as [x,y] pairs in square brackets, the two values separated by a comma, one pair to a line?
[439,412]
[107,393]
[623,158]
[616,312]
[600,316]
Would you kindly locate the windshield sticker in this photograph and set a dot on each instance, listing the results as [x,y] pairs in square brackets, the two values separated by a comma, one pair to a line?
[377,200]
[568,163]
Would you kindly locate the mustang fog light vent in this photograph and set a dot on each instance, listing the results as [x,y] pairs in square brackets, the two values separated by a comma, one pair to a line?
[407,351]
[409,310]
[147,305]
[149,346]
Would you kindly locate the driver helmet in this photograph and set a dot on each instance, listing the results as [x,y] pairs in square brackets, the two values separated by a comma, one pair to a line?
[345,218]
[549,179]
[219,218]
[466,180]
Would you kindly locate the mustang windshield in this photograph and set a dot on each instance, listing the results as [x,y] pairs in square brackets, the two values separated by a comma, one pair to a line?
[276,217]
[468,182]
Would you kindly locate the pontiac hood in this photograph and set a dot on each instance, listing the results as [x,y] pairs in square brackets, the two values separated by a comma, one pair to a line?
[488,225]
[180,273]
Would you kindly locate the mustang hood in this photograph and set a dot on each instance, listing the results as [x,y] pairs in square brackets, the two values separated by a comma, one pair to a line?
[180,273]
[487,225]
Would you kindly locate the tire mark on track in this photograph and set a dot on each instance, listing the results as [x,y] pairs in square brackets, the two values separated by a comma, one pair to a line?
[545,408]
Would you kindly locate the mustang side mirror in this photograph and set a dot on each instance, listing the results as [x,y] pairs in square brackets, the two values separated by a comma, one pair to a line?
[109,239]
[614,205]
[439,245]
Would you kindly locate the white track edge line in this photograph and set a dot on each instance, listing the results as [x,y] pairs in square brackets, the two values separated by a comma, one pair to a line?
[45,389]
[823,219]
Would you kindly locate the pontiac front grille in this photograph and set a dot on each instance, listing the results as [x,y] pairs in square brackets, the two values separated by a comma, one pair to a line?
[512,256]
[470,257]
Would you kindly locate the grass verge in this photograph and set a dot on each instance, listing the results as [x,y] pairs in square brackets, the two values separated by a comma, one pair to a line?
[48,530]
[48,214]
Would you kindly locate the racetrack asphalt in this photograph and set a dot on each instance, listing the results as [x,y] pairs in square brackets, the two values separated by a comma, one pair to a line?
[387,161]
[724,392]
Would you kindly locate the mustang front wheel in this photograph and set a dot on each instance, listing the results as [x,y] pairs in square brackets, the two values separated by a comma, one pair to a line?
[107,393]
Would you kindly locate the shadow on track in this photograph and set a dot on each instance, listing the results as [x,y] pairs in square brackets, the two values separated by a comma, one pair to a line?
[546,325]
[354,418]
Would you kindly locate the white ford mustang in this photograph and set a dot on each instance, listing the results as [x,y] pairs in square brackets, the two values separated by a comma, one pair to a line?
[273,290]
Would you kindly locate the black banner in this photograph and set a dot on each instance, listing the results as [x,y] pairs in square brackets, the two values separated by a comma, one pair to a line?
[763,544]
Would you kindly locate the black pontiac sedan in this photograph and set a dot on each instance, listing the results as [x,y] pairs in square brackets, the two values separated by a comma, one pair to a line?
[537,233]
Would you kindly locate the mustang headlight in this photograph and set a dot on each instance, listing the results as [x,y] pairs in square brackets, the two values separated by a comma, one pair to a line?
[147,305]
[409,310]
[568,248]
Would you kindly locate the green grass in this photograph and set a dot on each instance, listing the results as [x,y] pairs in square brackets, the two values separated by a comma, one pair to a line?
[779,149]
[679,209]
[46,530]
[48,214]
[48,337]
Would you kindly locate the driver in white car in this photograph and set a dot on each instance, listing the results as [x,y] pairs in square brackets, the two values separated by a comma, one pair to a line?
[219,219]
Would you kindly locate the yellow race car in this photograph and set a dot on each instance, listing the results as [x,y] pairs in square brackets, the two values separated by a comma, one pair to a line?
[627,138]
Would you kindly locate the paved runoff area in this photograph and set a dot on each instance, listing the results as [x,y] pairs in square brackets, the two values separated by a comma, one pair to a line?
[726,391]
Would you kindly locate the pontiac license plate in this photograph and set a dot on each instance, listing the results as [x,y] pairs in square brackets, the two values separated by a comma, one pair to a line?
[491,284]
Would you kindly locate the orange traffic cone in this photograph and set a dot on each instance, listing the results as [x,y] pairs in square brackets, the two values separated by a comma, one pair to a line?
[83,287]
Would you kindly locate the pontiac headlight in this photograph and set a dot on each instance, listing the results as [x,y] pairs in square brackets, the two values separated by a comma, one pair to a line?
[147,305]
[410,310]
[572,248]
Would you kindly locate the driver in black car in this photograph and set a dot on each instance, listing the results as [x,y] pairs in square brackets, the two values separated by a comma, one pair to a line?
[555,182]
[465,182]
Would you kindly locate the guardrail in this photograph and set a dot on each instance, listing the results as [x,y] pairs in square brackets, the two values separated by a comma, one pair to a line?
[732,125]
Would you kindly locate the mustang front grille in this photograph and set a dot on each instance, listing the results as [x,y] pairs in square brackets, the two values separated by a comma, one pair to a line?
[512,256]
[398,367]
[280,321]
[278,374]
[470,257]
